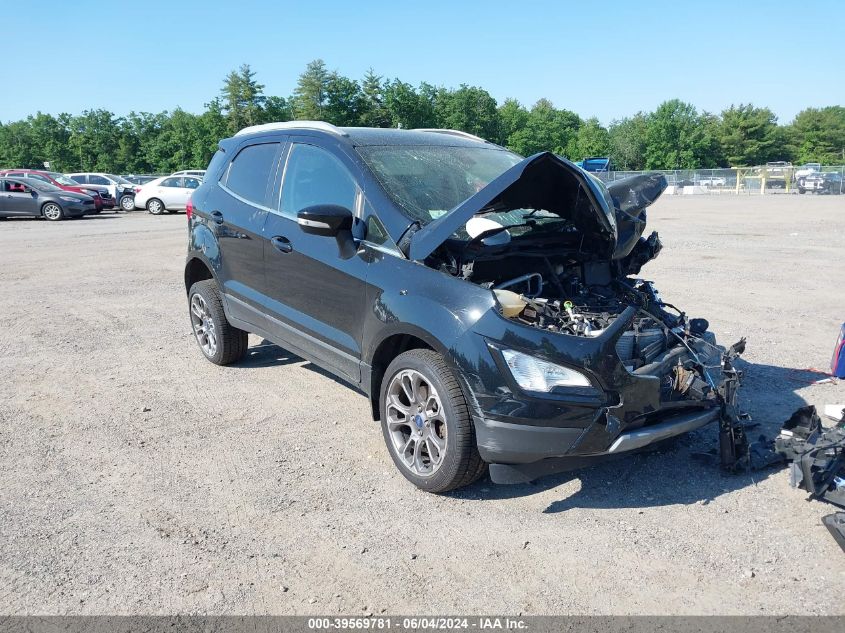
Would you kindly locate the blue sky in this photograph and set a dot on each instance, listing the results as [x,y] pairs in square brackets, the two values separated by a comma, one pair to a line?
[607,59]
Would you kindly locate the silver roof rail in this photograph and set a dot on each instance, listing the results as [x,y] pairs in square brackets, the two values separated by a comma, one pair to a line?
[472,137]
[292,125]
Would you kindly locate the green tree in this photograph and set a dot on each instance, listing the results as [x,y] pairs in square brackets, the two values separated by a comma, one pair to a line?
[748,135]
[243,98]
[512,117]
[344,102]
[818,135]
[309,98]
[546,129]
[627,139]
[374,113]
[592,139]
[276,109]
[93,136]
[678,137]
[406,107]
[469,109]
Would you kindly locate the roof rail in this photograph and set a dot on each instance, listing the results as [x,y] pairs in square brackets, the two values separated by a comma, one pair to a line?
[292,125]
[472,137]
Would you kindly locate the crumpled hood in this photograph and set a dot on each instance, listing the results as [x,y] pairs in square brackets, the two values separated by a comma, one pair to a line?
[546,181]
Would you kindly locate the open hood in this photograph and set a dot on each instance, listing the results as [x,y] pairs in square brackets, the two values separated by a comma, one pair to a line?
[548,182]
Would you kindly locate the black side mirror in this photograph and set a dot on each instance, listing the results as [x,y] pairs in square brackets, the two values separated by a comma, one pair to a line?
[330,220]
[327,220]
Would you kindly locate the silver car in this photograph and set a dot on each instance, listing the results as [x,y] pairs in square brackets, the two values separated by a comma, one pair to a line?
[168,193]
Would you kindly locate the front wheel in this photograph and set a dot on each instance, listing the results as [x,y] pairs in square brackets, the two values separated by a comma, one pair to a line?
[155,206]
[52,211]
[426,423]
[220,342]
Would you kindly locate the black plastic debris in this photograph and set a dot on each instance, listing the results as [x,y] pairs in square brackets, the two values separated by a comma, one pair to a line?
[836,524]
[817,455]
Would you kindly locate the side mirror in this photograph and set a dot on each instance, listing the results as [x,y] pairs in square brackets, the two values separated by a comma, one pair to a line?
[328,220]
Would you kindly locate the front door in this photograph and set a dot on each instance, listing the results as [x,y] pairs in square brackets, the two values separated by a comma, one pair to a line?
[315,298]
[18,199]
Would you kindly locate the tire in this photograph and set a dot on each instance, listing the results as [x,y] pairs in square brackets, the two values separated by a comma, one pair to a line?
[52,212]
[127,203]
[219,341]
[155,206]
[801,190]
[441,426]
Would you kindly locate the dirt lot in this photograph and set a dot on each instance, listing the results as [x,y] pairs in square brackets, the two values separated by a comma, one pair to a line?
[139,478]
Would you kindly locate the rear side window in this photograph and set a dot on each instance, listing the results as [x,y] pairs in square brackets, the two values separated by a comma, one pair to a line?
[250,170]
[313,176]
[192,183]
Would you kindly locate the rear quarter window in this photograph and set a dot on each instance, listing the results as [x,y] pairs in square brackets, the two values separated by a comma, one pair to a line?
[249,172]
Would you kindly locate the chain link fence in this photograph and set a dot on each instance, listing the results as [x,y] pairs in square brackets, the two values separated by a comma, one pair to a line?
[765,179]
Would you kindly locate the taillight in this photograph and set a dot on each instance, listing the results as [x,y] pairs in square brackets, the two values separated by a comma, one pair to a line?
[189,209]
[137,190]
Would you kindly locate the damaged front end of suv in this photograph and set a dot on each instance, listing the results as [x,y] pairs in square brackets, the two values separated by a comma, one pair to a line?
[578,358]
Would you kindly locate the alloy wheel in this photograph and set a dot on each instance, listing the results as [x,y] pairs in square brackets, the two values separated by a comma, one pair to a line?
[416,422]
[203,326]
[52,211]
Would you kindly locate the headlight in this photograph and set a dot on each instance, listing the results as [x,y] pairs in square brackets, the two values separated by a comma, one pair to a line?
[69,199]
[533,374]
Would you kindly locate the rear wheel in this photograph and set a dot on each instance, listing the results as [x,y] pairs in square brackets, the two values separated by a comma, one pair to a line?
[220,342]
[155,206]
[426,423]
[52,211]
[127,203]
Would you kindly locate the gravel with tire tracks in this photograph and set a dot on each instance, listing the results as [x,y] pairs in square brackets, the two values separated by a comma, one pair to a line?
[140,478]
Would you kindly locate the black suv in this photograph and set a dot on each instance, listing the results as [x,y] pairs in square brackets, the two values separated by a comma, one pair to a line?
[486,303]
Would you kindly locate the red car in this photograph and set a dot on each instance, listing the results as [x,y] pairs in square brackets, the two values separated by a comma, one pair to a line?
[102,199]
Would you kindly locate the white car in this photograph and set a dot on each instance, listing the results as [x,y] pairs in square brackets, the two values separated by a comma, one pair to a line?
[119,188]
[168,193]
[712,181]
[199,173]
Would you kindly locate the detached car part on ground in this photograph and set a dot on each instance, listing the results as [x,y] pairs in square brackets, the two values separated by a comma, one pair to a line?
[509,330]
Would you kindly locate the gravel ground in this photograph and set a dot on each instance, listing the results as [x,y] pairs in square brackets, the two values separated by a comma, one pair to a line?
[140,479]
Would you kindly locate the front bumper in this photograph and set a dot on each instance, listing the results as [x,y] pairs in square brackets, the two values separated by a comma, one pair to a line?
[624,411]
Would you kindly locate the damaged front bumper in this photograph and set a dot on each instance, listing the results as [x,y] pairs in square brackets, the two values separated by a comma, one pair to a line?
[527,435]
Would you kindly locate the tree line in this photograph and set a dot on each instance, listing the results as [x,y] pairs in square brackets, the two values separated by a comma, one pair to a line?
[674,136]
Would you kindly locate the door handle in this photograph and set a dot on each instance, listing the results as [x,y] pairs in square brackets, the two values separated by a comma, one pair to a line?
[281,244]
[217,217]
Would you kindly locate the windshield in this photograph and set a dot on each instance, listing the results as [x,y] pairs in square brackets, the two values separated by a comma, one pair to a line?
[64,180]
[41,185]
[426,181]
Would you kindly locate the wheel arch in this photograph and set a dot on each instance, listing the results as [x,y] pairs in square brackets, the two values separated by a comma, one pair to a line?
[393,344]
[197,269]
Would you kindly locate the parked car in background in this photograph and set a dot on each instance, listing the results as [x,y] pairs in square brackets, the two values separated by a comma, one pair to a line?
[777,173]
[829,182]
[120,189]
[101,196]
[596,165]
[712,181]
[199,173]
[168,193]
[20,197]
[807,169]
[139,180]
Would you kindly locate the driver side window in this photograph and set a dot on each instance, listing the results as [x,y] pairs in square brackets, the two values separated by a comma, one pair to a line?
[313,176]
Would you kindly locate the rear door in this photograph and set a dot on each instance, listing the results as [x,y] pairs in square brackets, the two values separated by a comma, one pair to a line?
[316,299]
[237,207]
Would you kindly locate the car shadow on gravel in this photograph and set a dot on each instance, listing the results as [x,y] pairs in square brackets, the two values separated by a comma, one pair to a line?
[268,354]
[684,470]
